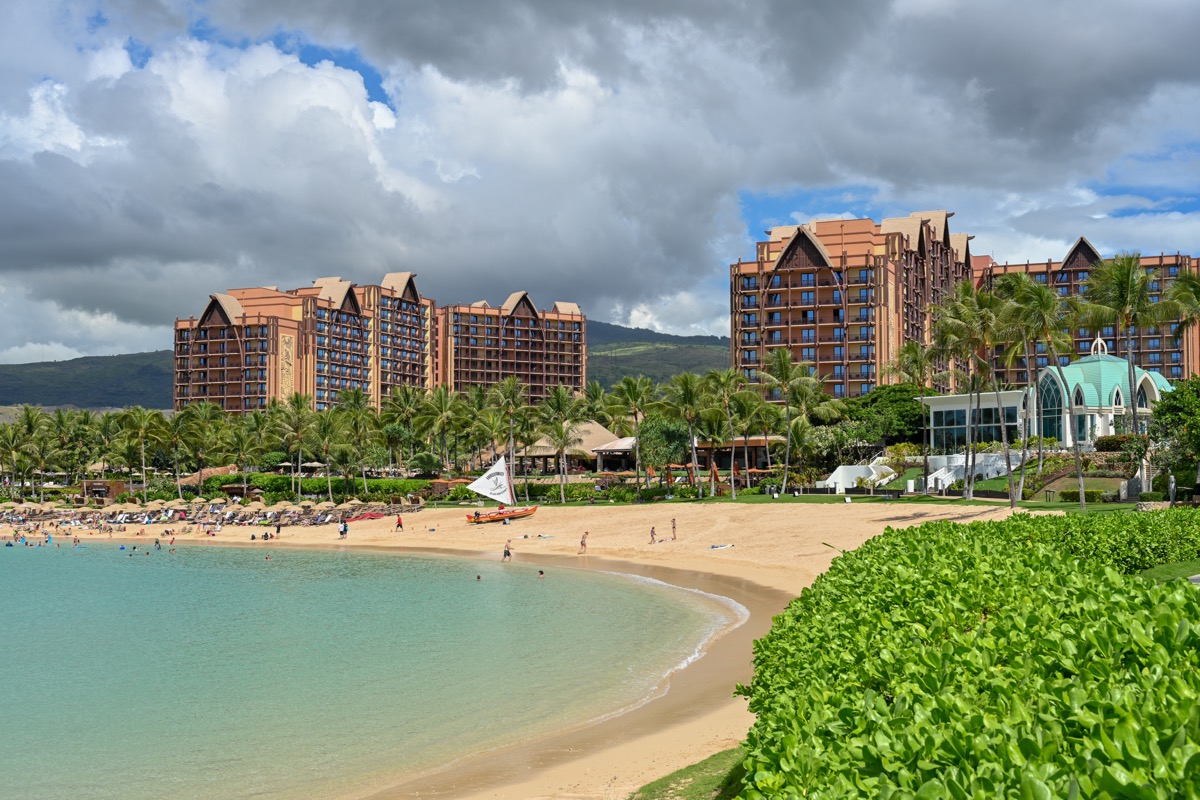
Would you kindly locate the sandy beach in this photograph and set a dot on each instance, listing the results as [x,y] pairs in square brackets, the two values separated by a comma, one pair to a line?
[777,550]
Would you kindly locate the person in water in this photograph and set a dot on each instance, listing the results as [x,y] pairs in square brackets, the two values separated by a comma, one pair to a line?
[541,574]
[507,551]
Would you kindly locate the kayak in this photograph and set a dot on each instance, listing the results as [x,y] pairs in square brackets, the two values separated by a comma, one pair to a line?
[480,517]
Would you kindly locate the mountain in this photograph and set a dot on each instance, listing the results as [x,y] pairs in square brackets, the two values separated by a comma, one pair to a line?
[144,379]
[133,379]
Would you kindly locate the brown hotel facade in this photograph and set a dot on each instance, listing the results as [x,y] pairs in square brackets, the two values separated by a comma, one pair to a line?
[251,346]
[846,294]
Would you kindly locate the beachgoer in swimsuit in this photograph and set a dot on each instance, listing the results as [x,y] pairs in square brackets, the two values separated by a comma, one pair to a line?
[653,539]
[583,543]
[399,523]
[672,529]
[507,551]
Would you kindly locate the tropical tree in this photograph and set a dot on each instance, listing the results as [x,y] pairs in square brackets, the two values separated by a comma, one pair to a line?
[43,453]
[510,396]
[361,424]
[1117,292]
[920,364]
[1039,313]
[291,422]
[327,435]
[143,426]
[635,395]
[790,380]
[205,437]
[562,435]
[683,399]
[12,443]
[243,444]
[724,386]
[402,407]
[441,413]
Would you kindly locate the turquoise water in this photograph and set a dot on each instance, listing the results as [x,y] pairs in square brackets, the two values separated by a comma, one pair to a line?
[213,673]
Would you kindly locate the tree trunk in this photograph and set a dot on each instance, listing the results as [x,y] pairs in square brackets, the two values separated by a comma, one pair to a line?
[928,423]
[732,453]
[562,477]
[329,478]
[178,484]
[143,472]
[787,450]
[967,471]
[1132,400]
[1012,496]
[695,458]
[1024,454]
[637,458]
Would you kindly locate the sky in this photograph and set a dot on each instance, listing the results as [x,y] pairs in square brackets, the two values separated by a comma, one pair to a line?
[613,153]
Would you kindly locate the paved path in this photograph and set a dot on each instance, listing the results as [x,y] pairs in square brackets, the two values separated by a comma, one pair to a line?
[1195,579]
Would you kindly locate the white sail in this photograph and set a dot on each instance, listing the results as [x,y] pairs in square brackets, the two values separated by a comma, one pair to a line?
[494,483]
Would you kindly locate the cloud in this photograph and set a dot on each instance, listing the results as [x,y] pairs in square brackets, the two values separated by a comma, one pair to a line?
[580,151]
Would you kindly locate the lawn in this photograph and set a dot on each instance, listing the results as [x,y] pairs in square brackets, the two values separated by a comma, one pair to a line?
[1171,572]
[717,777]
[901,480]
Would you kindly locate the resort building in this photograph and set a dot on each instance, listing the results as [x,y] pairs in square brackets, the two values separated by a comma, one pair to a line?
[1154,348]
[479,345]
[1097,387]
[250,346]
[844,294]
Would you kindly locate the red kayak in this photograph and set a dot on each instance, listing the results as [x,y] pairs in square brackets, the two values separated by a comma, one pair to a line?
[480,517]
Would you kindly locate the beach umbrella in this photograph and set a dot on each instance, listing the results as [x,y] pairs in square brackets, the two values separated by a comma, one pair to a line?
[255,505]
[177,504]
[8,504]
[325,505]
[307,503]
[218,501]
[312,464]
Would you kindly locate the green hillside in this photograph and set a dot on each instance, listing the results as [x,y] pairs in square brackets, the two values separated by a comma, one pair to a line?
[608,363]
[144,379]
[133,379]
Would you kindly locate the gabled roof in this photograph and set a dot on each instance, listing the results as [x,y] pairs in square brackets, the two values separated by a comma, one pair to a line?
[337,292]
[1082,246]
[803,234]
[910,227]
[402,283]
[515,301]
[938,221]
[561,307]
[592,435]
[224,304]
[961,244]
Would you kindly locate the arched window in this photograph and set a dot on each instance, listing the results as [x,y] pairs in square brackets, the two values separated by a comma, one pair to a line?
[1078,396]
[1141,397]
[1117,401]
[1051,400]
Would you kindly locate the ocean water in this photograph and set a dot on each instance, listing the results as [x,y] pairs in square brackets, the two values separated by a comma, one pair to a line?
[213,673]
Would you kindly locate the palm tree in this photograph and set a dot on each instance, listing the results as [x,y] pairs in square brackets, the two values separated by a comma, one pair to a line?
[561,414]
[510,396]
[142,425]
[491,426]
[108,428]
[636,395]
[1118,292]
[1184,293]
[174,436]
[12,443]
[327,434]
[244,445]
[291,423]
[918,363]
[562,435]
[43,453]
[1040,314]
[402,407]
[789,378]
[360,424]
[683,399]
[206,435]
[725,385]
[441,413]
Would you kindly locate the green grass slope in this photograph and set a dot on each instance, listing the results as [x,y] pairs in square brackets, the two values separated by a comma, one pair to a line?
[142,379]
[658,361]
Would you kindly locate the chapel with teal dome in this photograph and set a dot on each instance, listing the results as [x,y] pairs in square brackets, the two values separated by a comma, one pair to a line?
[1098,387]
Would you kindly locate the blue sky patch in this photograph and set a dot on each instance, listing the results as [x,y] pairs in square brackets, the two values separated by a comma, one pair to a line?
[764,210]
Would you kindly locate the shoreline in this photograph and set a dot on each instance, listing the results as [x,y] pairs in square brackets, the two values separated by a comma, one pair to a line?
[776,551]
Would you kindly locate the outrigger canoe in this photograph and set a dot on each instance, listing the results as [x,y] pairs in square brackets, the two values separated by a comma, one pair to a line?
[479,517]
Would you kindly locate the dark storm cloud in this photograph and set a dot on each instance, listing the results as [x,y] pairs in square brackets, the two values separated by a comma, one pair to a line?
[588,151]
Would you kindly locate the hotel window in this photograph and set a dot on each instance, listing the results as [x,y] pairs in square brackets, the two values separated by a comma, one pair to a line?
[1063,291]
[1153,344]
[864,295]
[808,280]
[1064,361]
[1176,372]
[808,336]
[750,319]
[839,390]
[865,331]
[808,318]
[1042,361]
[774,281]
[808,353]
[807,298]
[1040,278]
[775,300]
[749,282]
[837,295]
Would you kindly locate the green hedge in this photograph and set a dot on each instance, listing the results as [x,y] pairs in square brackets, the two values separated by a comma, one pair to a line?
[1152,497]
[282,484]
[1117,442]
[1089,495]
[983,661]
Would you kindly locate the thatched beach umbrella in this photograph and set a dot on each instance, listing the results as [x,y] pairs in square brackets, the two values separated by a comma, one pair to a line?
[307,503]
[326,505]
[8,504]
[255,505]
[218,501]
[177,505]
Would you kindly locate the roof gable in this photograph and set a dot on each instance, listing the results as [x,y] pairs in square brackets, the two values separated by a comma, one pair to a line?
[403,284]
[518,304]
[222,310]
[803,250]
[1081,255]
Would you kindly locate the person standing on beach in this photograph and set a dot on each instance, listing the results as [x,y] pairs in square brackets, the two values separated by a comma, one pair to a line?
[672,529]
[653,539]
[399,523]
[583,544]
[507,551]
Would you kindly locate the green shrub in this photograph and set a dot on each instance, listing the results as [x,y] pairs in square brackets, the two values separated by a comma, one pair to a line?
[684,490]
[986,660]
[1151,497]
[1118,442]
[1089,495]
